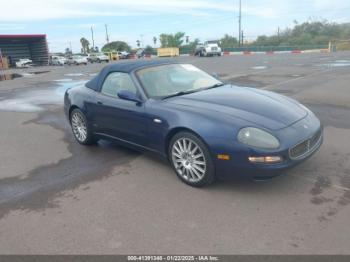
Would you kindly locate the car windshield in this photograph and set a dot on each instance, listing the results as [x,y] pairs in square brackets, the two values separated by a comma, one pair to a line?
[167,80]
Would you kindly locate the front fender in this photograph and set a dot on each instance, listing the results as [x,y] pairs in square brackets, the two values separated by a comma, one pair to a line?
[215,130]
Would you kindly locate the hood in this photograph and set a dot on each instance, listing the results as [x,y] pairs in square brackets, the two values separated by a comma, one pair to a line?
[212,45]
[263,108]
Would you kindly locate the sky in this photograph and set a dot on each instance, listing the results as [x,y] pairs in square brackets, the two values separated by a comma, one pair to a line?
[66,21]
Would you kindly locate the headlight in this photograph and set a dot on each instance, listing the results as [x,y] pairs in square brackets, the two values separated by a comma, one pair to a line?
[257,138]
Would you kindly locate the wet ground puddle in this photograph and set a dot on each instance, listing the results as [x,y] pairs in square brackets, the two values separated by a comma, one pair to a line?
[35,100]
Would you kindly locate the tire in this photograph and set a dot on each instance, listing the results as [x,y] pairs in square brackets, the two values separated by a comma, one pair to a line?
[80,128]
[191,160]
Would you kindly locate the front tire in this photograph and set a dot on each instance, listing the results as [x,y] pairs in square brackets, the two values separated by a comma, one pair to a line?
[81,129]
[191,160]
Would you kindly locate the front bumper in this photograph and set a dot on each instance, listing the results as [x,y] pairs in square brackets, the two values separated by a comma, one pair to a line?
[240,166]
[213,52]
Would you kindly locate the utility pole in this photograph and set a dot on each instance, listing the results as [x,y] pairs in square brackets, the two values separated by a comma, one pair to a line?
[107,37]
[92,36]
[242,37]
[240,23]
[278,34]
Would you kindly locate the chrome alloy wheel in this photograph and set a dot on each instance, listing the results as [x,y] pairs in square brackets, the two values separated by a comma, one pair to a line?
[79,127]
[188,159]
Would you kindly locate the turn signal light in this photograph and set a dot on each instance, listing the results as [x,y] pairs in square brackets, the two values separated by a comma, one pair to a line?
[223,157]
[265,159]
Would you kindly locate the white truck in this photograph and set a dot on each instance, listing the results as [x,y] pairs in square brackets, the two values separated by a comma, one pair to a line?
[209,48]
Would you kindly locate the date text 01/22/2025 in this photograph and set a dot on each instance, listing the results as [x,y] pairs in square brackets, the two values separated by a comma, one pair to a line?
[173,258]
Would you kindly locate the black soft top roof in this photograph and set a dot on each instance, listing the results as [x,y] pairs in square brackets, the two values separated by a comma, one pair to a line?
[124,67]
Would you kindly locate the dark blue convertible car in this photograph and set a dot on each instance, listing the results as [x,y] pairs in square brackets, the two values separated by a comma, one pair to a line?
[207,129]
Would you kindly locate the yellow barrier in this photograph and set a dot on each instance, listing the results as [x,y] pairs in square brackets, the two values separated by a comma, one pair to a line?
[168,51]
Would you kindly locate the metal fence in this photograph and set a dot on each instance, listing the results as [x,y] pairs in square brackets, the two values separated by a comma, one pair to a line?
[274,48]
[187,50]
[184,50]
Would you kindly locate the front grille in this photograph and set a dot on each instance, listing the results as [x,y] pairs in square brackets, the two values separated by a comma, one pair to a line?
[315,138]
[214,49]
[306,147]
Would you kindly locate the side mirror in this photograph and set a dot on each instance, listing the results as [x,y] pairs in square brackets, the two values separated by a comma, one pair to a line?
[128,95]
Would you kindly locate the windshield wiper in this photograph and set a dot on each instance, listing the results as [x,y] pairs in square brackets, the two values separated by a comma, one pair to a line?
[181,93]
[214,86]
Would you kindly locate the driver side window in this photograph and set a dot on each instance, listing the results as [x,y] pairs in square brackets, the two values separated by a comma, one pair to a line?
[115,82]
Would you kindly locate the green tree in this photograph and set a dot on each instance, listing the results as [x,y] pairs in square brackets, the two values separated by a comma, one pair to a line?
[228,41]
[191,46]
[171,40]
[307,33]
[116,46]
[84,45]
[148,50]
[68,51]
[154,40]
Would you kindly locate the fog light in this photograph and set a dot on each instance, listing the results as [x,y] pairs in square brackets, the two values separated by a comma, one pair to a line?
[265,159]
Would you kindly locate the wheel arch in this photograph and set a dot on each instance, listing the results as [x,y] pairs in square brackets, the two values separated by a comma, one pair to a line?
[177,130]
[71,108]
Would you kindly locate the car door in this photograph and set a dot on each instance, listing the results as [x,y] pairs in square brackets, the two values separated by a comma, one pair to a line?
[119,118]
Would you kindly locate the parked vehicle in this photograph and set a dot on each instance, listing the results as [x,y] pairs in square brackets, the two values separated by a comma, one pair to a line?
[25,62]
[205,128]
[77,60]
[123,55]
[199,50]
[58,60]
[209,48]
[140,53]
[97,57]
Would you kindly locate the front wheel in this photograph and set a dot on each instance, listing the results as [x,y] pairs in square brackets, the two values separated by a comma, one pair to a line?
[191,160]
[80,128]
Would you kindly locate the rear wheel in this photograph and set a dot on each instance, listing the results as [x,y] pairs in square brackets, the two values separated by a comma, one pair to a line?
[191,160]
[80,128]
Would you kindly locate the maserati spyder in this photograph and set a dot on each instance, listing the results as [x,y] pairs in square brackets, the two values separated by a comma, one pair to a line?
[205,128]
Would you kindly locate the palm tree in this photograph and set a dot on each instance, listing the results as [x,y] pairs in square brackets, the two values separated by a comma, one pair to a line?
[85,44]
[155,41]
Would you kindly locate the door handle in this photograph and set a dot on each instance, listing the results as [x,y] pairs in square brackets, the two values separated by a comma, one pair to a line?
[99,103]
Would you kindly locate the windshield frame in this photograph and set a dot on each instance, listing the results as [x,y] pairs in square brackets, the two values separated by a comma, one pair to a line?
[136,75]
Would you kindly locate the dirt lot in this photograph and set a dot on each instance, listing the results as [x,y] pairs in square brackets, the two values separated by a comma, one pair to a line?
[57,197]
